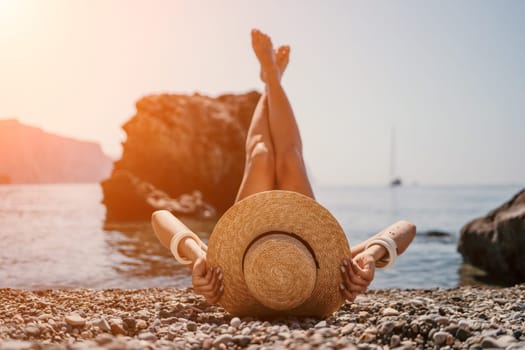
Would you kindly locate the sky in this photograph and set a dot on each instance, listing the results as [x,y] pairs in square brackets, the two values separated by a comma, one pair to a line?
[447,76]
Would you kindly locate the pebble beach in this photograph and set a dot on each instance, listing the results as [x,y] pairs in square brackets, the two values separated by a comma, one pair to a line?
[460,318]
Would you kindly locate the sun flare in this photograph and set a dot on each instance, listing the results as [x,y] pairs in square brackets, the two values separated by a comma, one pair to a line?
[7,6]
[8,10]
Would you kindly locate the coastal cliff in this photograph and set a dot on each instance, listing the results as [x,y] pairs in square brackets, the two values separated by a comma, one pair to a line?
[178,145]
[31,155]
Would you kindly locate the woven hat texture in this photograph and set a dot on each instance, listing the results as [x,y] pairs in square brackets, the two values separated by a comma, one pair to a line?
[280,253]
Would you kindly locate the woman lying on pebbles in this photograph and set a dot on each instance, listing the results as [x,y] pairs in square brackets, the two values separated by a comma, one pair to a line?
[274,161]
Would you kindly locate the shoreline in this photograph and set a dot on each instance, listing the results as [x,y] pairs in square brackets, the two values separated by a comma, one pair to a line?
[459,318]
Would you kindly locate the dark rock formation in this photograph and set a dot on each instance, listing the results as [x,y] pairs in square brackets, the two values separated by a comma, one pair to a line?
[30,155]
[496,242]
[138,199]
[180,144]
[436,233]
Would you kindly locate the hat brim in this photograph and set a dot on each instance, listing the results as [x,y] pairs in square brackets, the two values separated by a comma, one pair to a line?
[283,211]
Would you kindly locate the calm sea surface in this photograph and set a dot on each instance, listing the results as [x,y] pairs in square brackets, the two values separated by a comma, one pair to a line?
[55,235]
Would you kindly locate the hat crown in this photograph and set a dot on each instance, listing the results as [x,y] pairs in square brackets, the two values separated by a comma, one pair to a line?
[231,246]
[279,270]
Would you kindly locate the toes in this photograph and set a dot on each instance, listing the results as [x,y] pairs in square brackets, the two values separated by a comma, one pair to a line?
[283,51]
[260,39]
[261,35]
[280,53]
[282,57]
[265,39]
[255,33]
[258,36]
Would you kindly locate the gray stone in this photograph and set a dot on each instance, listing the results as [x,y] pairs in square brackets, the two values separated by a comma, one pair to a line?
[463,334]
[390,312]
[367,337]
[242,340]
[452,329]
[362,316]
[104,338]
[148,336]
[141,324]
[464,324]
[442,320]
[440,338]
[405,346]
[130,324]
[283,335]
[395,340]
[75,320]
[387,327]
[45,317]
[222,339]
[317,339]
[32,331]
[191,326]
[501,342]
[102,324]
[207,343]
[347,329]
[174,330]
[235,322]
[417,302]
[117,326]
[144,314]
[321,324]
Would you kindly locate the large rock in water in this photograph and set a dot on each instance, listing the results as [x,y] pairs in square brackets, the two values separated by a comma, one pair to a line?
[496,242]
[180,144]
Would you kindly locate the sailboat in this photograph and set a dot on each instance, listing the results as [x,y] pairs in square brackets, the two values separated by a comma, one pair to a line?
[395,180]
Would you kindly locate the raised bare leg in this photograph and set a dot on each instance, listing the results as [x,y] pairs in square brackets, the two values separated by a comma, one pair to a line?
[290,170]
[259,170]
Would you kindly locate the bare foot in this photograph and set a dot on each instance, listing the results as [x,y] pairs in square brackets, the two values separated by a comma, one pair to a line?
[282,57]
[263,48]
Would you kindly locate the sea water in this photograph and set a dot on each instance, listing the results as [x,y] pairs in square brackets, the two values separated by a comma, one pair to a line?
[55,236]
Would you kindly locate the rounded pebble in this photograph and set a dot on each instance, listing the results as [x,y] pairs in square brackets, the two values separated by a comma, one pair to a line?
[440,338]
[390,312]
[223,339]
[235,322]
[75,320]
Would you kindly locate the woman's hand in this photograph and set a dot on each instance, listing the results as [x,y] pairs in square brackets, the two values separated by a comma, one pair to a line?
[358,273]
[207,281]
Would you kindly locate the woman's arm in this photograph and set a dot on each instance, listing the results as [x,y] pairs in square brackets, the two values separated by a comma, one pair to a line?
[359,271]
[206,281]
[166,226]
[402,232]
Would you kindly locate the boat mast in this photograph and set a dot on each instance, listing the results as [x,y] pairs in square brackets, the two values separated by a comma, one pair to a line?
[392,153]
[394,179]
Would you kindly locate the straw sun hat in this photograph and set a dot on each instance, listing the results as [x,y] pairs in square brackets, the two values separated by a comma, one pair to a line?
[279,252]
